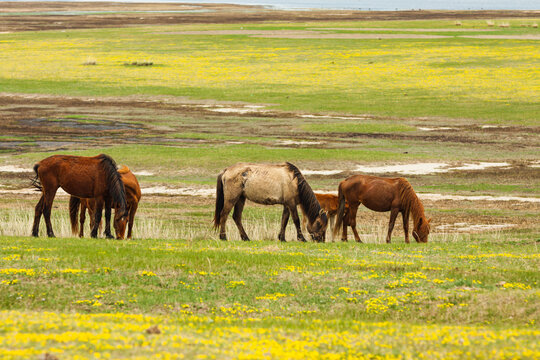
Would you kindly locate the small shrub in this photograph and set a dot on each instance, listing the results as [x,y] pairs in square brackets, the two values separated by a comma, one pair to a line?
[139,63]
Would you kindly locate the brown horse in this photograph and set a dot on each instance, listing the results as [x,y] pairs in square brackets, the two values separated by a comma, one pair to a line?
[382,194]
[330,204]
[133,196]
[83,177]
[269,185]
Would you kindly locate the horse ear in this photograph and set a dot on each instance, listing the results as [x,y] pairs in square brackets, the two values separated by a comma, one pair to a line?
[429,220]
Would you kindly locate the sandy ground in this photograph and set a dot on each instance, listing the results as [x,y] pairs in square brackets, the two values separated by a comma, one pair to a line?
[49,16]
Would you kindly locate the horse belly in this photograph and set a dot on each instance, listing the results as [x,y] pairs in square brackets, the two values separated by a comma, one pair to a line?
[263,191]
[78,191]
[377,201]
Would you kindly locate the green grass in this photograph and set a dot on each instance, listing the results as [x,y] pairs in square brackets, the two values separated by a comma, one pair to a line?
[200,271]
[487,80]
[480,285]
[217,157]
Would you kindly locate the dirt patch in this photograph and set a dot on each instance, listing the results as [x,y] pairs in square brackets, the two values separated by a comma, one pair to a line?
[413,169]
[53,15]
[14,169]
[466,227]
[185,191]
[442,197]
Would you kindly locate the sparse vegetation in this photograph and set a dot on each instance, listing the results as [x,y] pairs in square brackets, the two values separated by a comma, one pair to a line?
[139,63]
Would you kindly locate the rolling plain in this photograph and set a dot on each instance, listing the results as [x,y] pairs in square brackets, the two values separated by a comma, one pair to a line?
[448,100]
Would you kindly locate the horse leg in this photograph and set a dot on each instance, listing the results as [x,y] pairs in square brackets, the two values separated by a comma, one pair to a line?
[332,222]
[47,206]
[284,221]
[345,225]
[107,232]
[294,212]
[405,218]
[82,218]
[227,207]
[37,216]
[237,216]
[97,217]
[304,222]
[393,214]
[131,218]
[352,221]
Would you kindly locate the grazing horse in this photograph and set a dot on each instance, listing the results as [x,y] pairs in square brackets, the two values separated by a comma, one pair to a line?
[83,177]
[133,196]
[330,204]
[382,194]
[269,185]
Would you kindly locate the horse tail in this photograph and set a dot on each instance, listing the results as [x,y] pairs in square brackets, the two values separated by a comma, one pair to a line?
[74,203]
[220,200]
[35,180]
[114,183]
[340,212]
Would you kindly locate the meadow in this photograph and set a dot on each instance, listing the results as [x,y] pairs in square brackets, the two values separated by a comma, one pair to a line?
[216,94]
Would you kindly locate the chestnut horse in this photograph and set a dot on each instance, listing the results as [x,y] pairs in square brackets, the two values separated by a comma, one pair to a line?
[269,185]
[83,177]
[133,196]
[382,194]
[330,204]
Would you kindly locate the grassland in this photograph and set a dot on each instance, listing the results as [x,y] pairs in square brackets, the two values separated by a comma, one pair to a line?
[485,79]
[213,99]
[267,300]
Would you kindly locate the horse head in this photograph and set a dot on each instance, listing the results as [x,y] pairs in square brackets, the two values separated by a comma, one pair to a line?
[421,230]
[317,228]
[120,222]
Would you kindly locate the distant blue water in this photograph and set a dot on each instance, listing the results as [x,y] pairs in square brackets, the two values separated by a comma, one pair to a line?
[372,4]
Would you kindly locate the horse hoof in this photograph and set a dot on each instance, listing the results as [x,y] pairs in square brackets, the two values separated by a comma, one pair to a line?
[223,237]
[302,239]
[245,238]
[51,235]
[109,236]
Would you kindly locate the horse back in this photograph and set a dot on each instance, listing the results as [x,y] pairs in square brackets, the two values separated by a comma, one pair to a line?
[133,189]
[261,183]
[77,175]
[375,193]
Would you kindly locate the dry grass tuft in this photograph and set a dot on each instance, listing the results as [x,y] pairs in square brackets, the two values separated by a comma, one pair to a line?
[90,61]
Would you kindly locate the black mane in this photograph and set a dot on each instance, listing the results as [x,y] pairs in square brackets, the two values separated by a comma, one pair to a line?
[114,180]
[308,201]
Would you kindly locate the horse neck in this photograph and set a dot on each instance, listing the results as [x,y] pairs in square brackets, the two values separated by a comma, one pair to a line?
[114,182]
[413,204]
[308,202]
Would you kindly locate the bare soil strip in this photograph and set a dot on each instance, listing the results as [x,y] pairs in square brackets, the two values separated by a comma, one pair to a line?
[128,14]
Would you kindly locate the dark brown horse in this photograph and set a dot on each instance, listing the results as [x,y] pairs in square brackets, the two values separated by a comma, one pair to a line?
[133,196]
[268,184]
[382,194]
[83,177]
